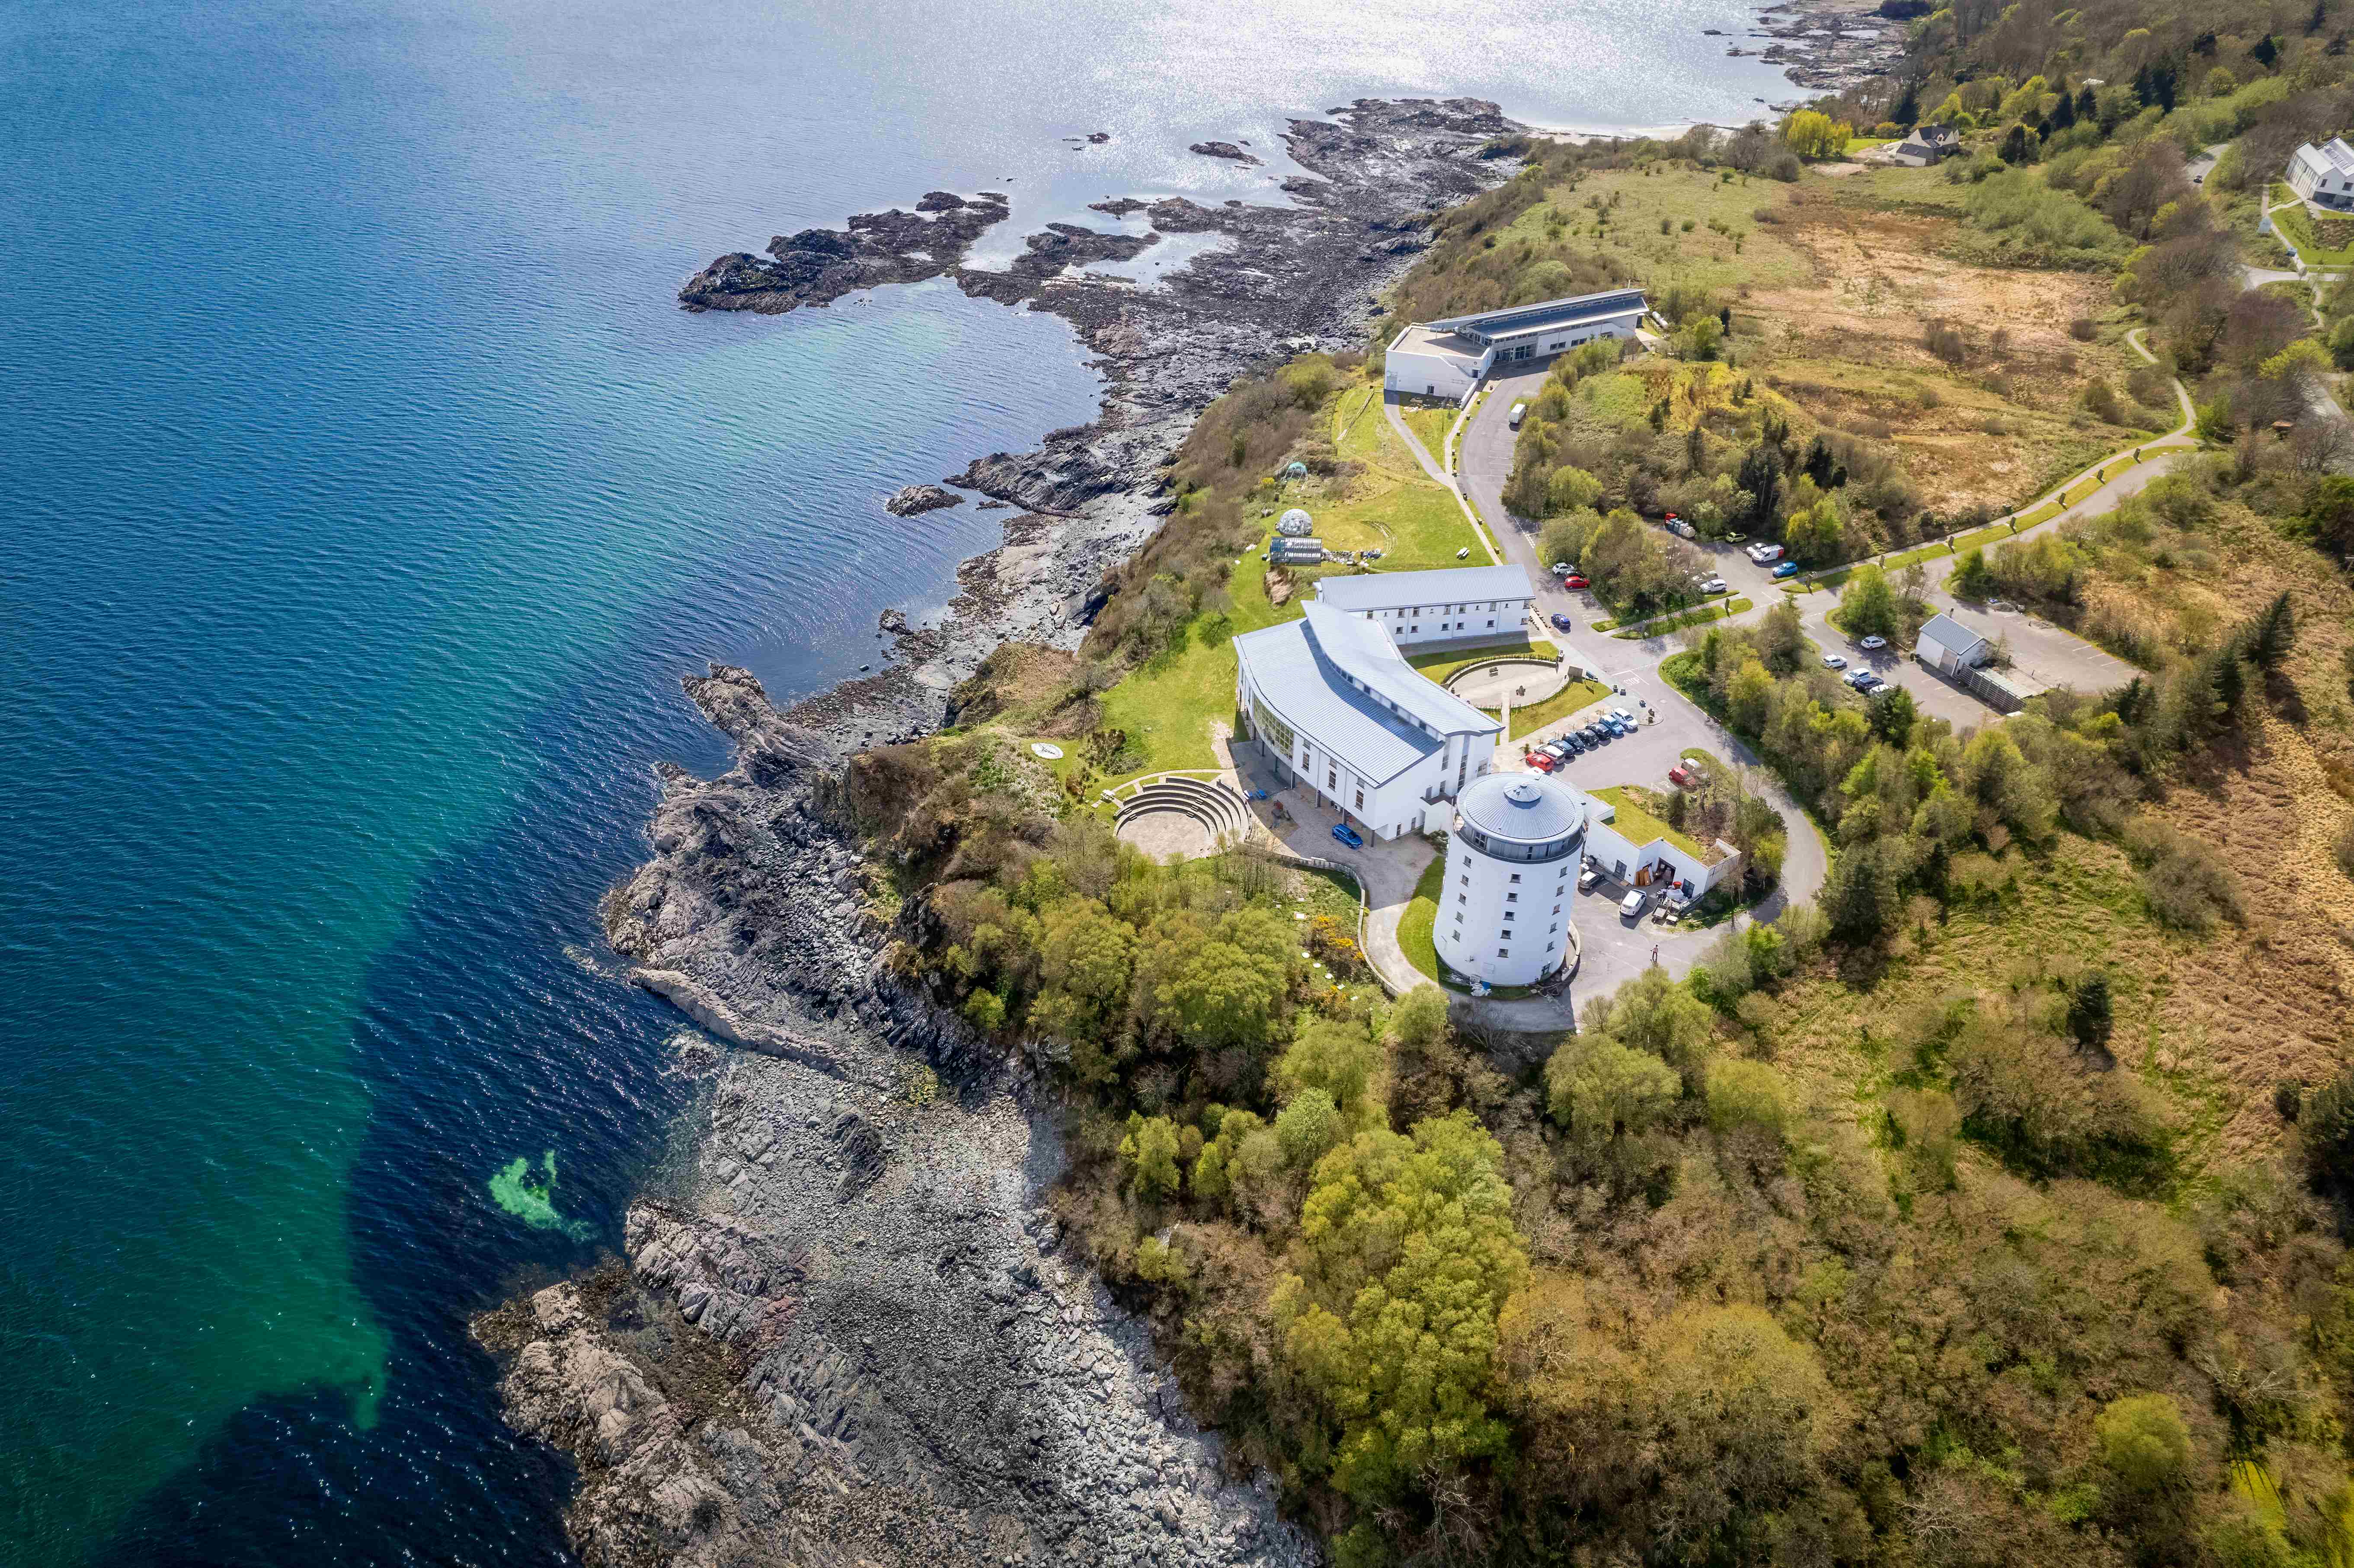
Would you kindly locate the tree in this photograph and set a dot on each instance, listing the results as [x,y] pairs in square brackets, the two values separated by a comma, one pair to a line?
[1655,1015]
[1597,1088]
[2144,1443]
[1306,1128]
[1149,1154]
[1746,698]
[1761,476]
[1420,1017]
[2330,512]
[1743,1094]
[1907,113]
[1860,896]
[1868,603]
[1339,1058]
[1407,1252]
[2326,1131]
[2263,54]
[2091,1015]
[1892,713]
[1569,489]
[2272,634]
[1229,990]
[1811,134]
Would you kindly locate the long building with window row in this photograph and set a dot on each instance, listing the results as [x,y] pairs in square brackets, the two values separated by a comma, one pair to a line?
[1448,358]
[1462,604]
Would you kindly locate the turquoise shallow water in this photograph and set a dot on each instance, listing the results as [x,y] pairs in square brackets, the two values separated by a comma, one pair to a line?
[362,498]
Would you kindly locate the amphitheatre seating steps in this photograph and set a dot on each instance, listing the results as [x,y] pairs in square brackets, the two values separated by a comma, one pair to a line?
[1215,805]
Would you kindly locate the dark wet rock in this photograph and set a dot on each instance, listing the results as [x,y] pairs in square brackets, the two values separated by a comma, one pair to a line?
[819,266]
[1225,150]
[909,500]
[1120,207]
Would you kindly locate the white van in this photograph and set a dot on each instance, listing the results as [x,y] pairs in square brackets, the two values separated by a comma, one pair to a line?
[1764,555]
[1520,411]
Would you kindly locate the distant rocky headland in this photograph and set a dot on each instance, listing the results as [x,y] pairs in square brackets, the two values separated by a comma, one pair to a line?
[845,1333]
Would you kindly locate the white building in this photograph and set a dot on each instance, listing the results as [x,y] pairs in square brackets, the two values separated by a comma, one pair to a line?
[2324,174]
[1331,703]
[1466,604]
[1503,916]
[1949,646]
[1447,359]
[1655,860]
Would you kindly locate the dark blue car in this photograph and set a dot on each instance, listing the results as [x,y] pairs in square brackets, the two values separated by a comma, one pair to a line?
[1562,623]
[1348,836]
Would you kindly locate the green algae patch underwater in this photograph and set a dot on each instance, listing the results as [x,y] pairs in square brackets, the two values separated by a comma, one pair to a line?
[534,1203]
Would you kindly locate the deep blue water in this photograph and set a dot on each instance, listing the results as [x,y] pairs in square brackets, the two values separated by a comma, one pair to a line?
[363,496]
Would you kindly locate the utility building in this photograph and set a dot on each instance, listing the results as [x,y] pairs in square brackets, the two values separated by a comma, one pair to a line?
[2324,174]
[1448,358]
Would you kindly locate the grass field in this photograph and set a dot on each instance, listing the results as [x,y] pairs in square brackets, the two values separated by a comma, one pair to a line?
[1440,666]
[2297,223]
[1560,705]
[1421,919]
[1707,257]
[1430,427]
[1168,705]
[1661,625]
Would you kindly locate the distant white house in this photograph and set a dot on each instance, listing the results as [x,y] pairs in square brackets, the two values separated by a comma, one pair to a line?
[1448,358]
[1333,704]
[2324,176]
[1461,604]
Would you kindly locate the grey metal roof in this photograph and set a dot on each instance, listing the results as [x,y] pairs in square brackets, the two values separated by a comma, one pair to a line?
[1303,669]
[1454,584]
[1488,325]
[1951,634]
[1527,808]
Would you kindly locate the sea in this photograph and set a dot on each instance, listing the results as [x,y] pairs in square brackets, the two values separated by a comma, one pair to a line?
[364,494]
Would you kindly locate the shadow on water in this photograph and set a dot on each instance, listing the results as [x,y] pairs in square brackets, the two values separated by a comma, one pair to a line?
[483,1044]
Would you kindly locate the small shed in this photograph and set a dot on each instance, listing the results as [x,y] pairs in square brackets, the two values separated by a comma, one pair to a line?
[1949,646]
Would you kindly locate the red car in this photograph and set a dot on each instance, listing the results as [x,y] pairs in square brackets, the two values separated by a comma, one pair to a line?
[1539,760]
[1573,580]
[1679,775]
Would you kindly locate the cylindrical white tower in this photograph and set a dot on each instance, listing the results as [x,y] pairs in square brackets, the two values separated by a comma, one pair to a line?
[1504,915]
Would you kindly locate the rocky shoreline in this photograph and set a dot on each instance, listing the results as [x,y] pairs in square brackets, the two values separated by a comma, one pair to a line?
[845,1333]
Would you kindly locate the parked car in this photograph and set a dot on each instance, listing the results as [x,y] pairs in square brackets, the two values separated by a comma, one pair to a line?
[1680,529]
[1588,877]
[1833,662]
[1713,585]
[1562,623]
[1624,716]
[1577,743]
[1539,760]
[1787,569]
[1575,581]
[1873,644]
[1679,775]
[1595,734]
[1559,750]
[1348,836]
[1764,555]
[1520,411]
[1562,568]
[1865,680]
[1631,907]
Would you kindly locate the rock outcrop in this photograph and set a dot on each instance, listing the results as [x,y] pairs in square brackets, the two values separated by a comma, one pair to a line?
[846,1333]
[909,500]
[1225,150]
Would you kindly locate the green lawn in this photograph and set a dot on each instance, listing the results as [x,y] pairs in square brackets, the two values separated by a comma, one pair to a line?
[1430,427]
[1638,825]
[2297,224]
[1440,666]
[1421,919]
[1701,617]
[1168,705]
[1560,705]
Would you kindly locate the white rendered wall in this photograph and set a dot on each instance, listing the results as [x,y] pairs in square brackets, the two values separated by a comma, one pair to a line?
[1613,852]
[1386,809]
[1471,931]
[1500,620]
[1427,375]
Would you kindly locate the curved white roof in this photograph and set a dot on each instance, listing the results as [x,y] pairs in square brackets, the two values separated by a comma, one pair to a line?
[1527,808]
[1342,681]
[1295,522]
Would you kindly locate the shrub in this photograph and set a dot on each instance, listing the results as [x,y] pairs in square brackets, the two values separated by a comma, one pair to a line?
[2144,1443]
[1744,1093]
[2185,880]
